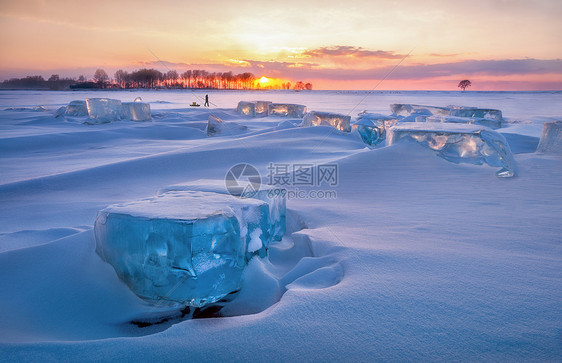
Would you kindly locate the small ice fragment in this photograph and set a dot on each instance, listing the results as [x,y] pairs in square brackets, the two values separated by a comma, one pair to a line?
[138,99]
[336,120]
[103,110]
[551,138]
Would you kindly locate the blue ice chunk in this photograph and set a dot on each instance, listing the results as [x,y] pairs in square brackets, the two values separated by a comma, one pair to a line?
[253,108]
[136,111]
[371,127]
[181,248]
[459,143]
[287,110]
[274,196]
[405,109]
[485,113]
[77,108]
[465,120]
[336,120]
[103,110]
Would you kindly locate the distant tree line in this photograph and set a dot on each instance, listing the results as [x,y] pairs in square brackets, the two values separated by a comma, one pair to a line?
[152,78]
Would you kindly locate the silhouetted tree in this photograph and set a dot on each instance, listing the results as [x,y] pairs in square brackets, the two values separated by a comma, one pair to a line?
[464,83]
[308,86]
[54,78]
[100,76]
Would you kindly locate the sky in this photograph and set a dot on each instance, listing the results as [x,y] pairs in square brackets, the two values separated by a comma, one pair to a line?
[371,44]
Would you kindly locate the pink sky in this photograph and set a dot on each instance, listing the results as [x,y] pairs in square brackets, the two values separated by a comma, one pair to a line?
[497,44]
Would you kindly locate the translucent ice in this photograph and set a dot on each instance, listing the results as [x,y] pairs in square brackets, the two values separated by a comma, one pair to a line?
[317,118]
[181,248]
[77,108]
[216,126]
[287,110]
[253,108]
[135,111]
[486,113]
[459,143]
[274,196]
[371,127]
[551,138]
[410,109]
[464,120]
[103,110]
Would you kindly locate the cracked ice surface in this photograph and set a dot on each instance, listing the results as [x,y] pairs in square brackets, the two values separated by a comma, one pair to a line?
[182,248]
[459,143]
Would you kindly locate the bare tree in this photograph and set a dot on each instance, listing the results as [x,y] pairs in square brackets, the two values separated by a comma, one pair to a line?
[464,83]
[100,76]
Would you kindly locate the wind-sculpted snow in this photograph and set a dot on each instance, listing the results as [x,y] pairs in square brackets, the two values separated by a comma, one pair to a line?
[415,257]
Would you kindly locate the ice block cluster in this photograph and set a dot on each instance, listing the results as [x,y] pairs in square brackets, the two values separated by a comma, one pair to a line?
[190,244]
[317,118]
[459,143]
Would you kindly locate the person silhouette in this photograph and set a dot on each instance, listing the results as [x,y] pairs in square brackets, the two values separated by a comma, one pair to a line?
[206,101]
